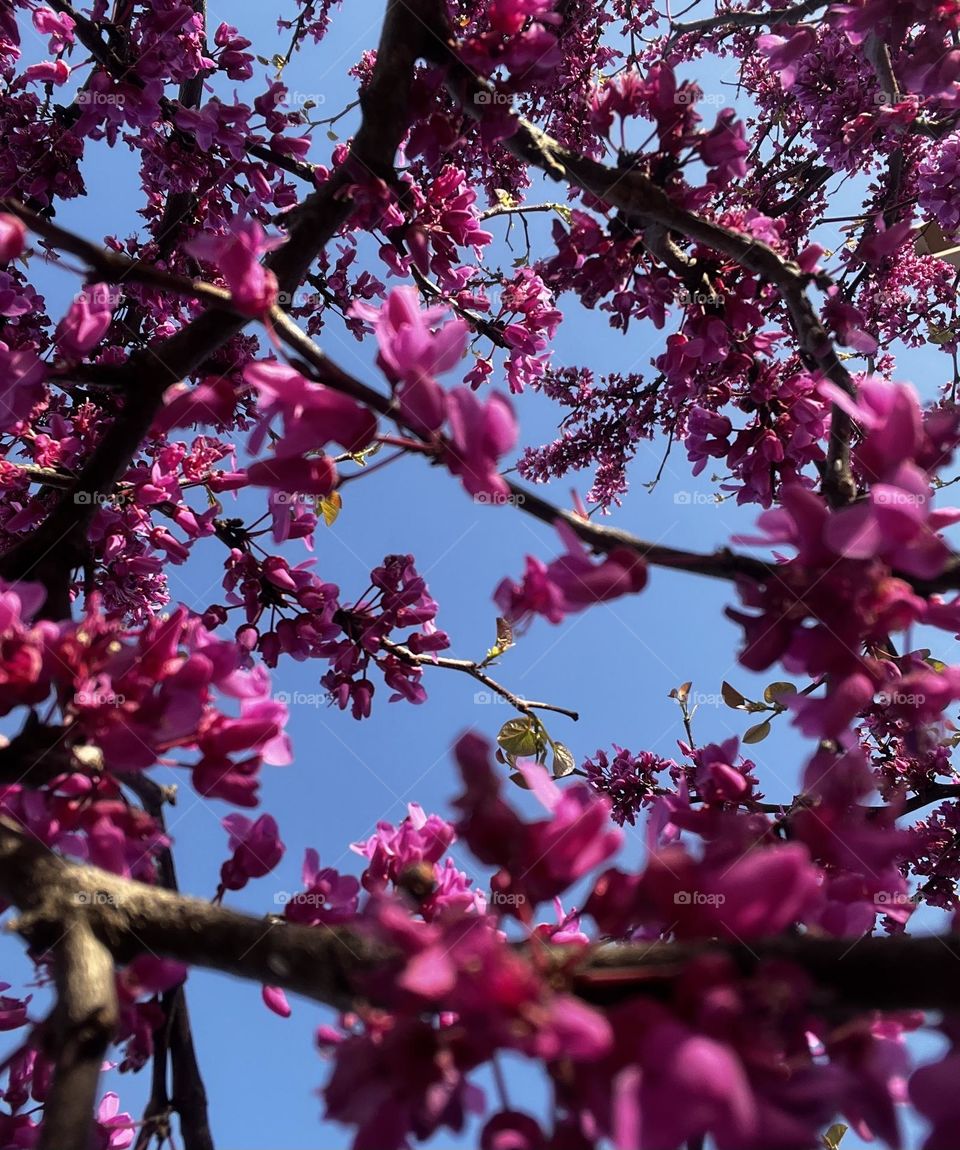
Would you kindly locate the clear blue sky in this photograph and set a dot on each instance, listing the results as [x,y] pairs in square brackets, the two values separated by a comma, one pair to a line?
[615,665]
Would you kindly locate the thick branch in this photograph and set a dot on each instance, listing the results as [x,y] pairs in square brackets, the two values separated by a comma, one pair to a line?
[335,965]
[79,1031]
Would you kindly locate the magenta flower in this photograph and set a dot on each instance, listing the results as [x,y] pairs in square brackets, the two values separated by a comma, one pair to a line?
[310,475]
[480,433]
[113,1130]
[13,237]
[57,25]
[890,416]
[256,847]
[682,1084]
[21,384]
[236,256]
[784,53]
[540,860]
[933,1091]
[414,350]
[328,896]
[275,999]
[312,415]
[87,321]
[392,851]
[572,582]
[724,148]
[896,523]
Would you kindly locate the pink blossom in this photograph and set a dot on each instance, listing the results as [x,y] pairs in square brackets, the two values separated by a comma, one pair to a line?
[539,860]
[275,1000]
[113,1130]
[414,348]
[236,255]
[21,384]
[57,25]
[13,237]
[87,321]
[480,433]
[572,582]
[785,52]
[256,847]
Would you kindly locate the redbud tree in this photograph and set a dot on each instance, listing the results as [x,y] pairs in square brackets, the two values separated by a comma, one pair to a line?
[781,250]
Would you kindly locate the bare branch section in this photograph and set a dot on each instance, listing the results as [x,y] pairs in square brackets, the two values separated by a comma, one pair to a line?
[342,968]
[475,671]
[749,18]
[79,1031]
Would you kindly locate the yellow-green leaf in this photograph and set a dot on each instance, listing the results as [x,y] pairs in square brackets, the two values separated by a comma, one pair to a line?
[563,761]
[831,1139]
[776,691]
[758,733]
[330,506]
[518,737]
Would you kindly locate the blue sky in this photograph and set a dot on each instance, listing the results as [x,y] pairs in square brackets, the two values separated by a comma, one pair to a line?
[615,665]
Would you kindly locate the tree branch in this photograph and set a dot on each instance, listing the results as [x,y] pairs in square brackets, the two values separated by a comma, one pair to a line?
[748,19]
[474,670]
[78,1033]
[343,968]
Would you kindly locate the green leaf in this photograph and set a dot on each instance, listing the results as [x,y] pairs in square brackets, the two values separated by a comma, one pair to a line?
[518,737]
[758,733]
[732,697]
[563,761]
[777,691]
[831,1139]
